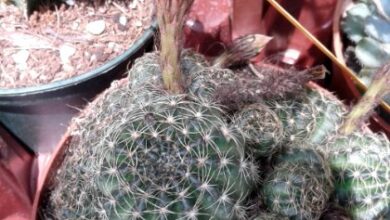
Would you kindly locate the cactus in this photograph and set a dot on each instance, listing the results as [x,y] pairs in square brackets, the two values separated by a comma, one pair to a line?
[146,149]
[261,128]
[299,185]
[360,159]
[309,118]
[367,25]
[169,159]
[360,164]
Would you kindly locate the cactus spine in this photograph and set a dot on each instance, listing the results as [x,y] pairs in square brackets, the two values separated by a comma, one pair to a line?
[360,159]
[142,152]
[299,185]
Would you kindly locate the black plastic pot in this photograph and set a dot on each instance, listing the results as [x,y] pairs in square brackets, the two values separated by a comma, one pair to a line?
[39,115]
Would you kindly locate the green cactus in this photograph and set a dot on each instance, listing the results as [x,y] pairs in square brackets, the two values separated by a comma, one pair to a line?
[360,159]
[299,185]
[309,118]
[169,159]
[146,149]
[360,163]
[261,128]
[367,25]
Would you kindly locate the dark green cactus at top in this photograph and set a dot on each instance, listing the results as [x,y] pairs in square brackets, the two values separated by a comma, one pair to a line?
[367,25]
[299,185]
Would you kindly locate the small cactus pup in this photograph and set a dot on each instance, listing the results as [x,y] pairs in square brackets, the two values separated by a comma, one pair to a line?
[360,159]
[144,151]
[299,115]
[261,128]
[299,185]
[310,117]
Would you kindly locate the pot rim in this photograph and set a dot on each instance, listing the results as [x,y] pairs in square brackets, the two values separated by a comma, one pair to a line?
[138,44]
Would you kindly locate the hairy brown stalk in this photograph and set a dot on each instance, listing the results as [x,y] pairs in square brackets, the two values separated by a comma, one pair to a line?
[241,50]
[170,15]
[379,87]
[264,81]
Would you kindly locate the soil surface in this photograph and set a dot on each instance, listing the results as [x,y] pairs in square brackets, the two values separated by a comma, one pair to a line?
[66,40]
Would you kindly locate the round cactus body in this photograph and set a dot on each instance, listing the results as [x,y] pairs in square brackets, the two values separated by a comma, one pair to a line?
[261,127]
[171,157]
[147,70]
[360,163]
[310,118]
[299,185]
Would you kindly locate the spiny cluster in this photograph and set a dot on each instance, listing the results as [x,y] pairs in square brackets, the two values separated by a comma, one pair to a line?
[141,153]
[261,127]
[299,185]
[360,163]
[310,118]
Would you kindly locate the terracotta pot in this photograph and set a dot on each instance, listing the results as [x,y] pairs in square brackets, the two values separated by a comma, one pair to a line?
[46,175]
[17,182]
[343,84]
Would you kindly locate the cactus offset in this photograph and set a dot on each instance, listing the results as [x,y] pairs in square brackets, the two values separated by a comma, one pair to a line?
[361,167]
[261,128]
[299,185]
[360,160]
[309,118]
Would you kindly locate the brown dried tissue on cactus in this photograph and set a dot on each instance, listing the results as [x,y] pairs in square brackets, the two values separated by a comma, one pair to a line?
[170,15]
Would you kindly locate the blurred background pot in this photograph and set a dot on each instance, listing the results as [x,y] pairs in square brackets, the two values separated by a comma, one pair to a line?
[39,115]
[345,85]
